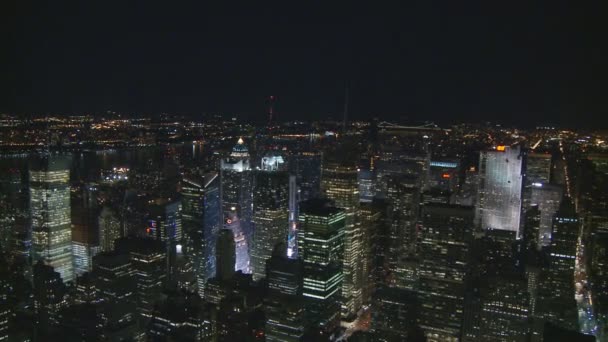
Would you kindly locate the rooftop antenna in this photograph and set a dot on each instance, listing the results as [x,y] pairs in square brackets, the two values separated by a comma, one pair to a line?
[271,99]
[345,108]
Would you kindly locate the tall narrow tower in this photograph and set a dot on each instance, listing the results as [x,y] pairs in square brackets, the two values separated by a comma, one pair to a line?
[345,118]
[51,214]
[236,198]
[271,100]
[340,184]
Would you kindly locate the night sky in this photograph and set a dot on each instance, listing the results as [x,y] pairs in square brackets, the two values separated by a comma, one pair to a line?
[523,63]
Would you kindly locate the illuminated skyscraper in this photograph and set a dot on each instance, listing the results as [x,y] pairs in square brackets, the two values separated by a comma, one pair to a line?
[504,309]
[538,168]
[371,221]
[5,305]
[284,306]
[110,229]
[306,166]
[556,302]
[321,247]
[236,198]
[403,194]
[547,197]
[49,295]
[500,189]
[531,229]
[270,216]
[149,261]
[85,229]
[366,178]
[165,220]
[444,247]
[340,184]
[51,214]
[202,221]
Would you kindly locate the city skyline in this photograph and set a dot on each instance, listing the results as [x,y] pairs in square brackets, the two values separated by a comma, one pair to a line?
[417,172]
[532,64]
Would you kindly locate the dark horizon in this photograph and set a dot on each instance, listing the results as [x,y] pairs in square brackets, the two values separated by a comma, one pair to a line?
[525,65]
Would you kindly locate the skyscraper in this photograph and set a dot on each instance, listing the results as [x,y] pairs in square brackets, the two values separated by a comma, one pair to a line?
[321,247]
[504,312]
[403,195]
[500,187]
[5,305]
[531,229]
[110,229]
[444,247]
[270,216]
[85,229]
[51,214]
[149,260]
[307,168]
[284,306]
[547,197]
[538,168]
[339,183]
[236,198]
[165,220]
[225,255]
[201,219]
[49,295]
[556,302]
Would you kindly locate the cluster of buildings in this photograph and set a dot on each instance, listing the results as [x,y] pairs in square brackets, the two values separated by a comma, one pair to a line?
[375,232]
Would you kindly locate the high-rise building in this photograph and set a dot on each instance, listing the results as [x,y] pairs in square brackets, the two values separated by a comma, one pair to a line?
[176,318]
[115,278]
[49,295]
[500,189]
[149,260]
[321,247]
[538,168]
[366,179]
[403,196]
[270,216]
[165,220]
[339,183]
[547,197]
[283,305]
[5,306]
[201,220]
[443,175]
[225,255]
[504,312]
[306,166]
[531,232]
[444,247]
[236,197]
[598,279]
[85,229]
[51,214]
[371,215]
[110,229]
[394,313]
[556,302]
[412,163]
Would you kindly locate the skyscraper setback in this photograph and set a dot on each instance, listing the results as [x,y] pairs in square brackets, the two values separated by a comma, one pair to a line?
[236,197]
[339,183]
[321,247]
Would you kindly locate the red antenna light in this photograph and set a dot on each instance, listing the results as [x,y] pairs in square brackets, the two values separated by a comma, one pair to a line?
[271,99]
